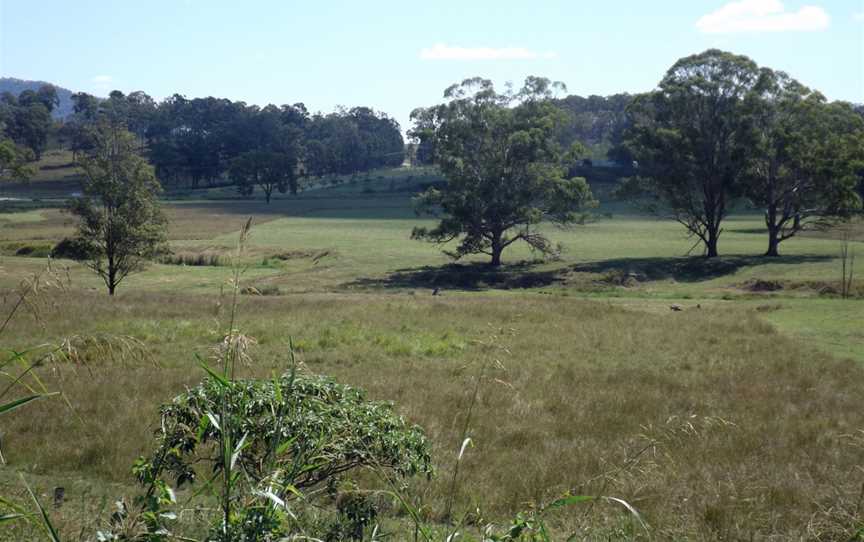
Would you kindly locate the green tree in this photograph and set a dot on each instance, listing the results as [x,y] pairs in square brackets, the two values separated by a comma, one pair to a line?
[268,170]
[14,162]
[121,224]
[504,166]
[692,140]
[806,160]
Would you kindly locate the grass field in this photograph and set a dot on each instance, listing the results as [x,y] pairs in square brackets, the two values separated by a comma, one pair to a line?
[735,418]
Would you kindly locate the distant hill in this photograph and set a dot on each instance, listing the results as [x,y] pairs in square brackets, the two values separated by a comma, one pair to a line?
[16,86]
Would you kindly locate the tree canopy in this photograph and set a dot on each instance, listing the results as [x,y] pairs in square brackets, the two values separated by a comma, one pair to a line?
[692,138]
[25,121]
[719,128]
[504,166]
[121,225]
[195,142]
[804,166]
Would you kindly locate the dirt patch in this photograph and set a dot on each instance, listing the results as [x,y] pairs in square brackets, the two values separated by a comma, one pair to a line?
[303,254]
[803,287]
[760,285]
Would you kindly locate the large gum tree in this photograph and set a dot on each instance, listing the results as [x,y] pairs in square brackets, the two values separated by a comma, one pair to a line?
[692,137]
[505,171]
[806,160]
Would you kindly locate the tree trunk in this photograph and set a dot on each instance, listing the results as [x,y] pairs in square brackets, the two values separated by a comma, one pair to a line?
[711,243]
[773,241]
[112,277]
[497,249]
[771,223]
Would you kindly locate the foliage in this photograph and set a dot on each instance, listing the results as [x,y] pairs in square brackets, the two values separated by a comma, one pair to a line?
[14,161]
[268,170]
[691,138]
[73,248]
[207,141]
[121,225]
[804,166]
[26,119]
[294,433]
[598,123]
[505,170]
[298,431]
[351,141]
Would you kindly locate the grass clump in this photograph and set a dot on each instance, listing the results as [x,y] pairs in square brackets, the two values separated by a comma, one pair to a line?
[196,260]
[405,342]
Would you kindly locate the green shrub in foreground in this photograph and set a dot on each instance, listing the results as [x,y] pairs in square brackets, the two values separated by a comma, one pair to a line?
[289,436]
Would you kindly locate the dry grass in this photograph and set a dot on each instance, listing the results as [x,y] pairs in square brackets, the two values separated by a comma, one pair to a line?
[744,432]
[752,433]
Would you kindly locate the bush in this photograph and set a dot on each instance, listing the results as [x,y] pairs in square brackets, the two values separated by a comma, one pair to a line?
[288,422]
[33,251]
[294,433]
[72,249]
[195,260]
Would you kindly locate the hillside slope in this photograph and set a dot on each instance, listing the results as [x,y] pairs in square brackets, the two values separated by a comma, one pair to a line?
[16,86]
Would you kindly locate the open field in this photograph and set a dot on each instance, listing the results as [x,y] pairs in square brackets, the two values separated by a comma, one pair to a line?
[737,417]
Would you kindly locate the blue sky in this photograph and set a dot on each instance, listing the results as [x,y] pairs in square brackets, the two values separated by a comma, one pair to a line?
[395,56]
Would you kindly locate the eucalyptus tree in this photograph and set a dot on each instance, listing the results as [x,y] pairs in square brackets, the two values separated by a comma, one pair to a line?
[268,170]
[506,171]
[692,138]
[807,157]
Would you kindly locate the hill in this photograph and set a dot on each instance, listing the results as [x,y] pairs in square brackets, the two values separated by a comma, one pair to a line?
[16,86]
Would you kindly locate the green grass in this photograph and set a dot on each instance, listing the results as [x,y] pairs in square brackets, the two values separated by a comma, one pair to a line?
[750,397]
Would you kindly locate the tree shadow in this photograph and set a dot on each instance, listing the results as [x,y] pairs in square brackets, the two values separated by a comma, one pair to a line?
[687,269]
[616,271]
[752,231]
[463,276]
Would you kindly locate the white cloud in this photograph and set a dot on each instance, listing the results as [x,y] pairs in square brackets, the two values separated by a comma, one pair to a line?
[762,16]
[442,51]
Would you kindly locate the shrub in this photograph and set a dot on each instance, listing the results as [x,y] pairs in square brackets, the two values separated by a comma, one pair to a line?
[195,260]
[72,249]
[33,251]
[303,429]
[294,433]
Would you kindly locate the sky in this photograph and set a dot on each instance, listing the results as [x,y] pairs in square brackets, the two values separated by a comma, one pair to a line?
[395,56]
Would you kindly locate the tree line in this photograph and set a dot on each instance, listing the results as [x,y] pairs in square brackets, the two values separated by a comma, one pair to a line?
[207,142]
[718,130]
[25,124]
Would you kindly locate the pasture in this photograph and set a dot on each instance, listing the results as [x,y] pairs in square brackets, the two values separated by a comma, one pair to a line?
[736,417]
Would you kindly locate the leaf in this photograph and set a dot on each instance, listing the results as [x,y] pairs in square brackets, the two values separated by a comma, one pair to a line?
[11,517]
[284,446]
[202,428]
[12,405]
[630,509]
[219,378]
[465,443]
[214,421]
[238,449]
[46,522]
